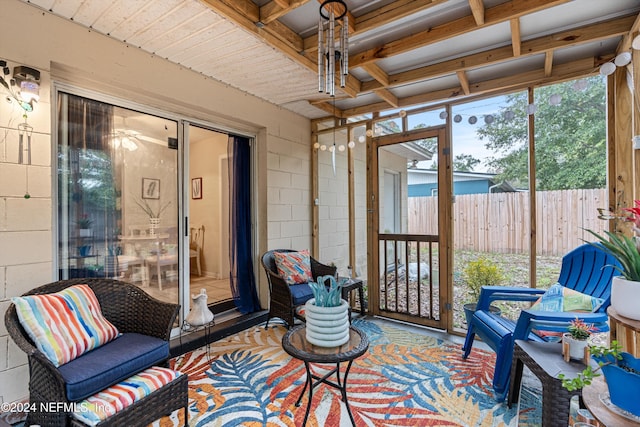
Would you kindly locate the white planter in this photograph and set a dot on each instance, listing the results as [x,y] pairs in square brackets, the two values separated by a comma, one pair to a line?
[327,326]
[625,297]
[154,223]
[576,347]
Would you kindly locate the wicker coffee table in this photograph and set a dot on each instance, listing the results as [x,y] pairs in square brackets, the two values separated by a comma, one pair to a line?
[545,361]
[296,345]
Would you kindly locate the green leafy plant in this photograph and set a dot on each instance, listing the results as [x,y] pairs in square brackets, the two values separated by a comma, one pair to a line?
[479,273]
[580,330]
[327,296]
[623,248]
[84,222]
[589,373]
[149,210]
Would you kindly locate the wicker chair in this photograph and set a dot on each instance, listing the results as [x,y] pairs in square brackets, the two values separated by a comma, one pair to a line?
[130,310]
[281,299]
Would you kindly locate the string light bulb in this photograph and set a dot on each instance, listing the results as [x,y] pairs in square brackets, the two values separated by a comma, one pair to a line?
[622,59]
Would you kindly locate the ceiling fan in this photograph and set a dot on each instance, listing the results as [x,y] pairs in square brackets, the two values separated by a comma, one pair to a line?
[128,139]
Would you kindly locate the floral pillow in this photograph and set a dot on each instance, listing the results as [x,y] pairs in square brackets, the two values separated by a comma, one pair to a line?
[65,324]
[294,267]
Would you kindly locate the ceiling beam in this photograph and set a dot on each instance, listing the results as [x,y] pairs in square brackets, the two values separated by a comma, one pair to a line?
[497,14]
[329,107]
[377,73]
[625,43]
[548,63]
[390,98]
[515,36]
[568,71]
[376,18]
[477,10]
[277,8]
[576,36]
[464,82]
[247,14]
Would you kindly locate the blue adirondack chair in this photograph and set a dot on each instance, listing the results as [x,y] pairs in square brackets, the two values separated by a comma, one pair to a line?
[586,269]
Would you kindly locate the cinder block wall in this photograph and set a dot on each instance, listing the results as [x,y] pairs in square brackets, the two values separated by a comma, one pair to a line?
[25,223]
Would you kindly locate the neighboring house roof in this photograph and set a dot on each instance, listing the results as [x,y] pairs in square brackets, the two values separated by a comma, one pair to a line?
[430,176]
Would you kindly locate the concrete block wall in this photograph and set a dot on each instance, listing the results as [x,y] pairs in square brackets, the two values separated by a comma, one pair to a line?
[288,192]
[25,224]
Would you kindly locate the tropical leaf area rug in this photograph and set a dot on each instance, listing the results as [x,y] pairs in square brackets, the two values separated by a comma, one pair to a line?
[405,379]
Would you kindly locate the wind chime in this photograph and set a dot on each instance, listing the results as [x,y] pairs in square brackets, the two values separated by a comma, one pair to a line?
[23,88]
[25,130]
[332,12]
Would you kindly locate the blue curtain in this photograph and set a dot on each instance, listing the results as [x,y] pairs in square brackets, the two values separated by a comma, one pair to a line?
[243,283]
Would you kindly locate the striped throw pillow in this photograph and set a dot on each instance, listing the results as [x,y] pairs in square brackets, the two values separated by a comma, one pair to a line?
[66,324]
[114,399]
[294,267]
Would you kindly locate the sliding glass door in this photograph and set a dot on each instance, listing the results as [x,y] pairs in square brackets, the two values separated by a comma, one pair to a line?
[118,195]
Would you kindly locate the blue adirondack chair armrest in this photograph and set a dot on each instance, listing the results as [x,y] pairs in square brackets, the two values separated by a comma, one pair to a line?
[489,294]
[555,321]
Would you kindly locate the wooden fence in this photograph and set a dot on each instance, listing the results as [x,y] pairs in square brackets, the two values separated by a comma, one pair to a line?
[499,222]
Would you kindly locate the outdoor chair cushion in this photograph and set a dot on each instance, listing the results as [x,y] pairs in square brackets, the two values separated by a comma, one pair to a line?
[116,398]
[301,293]
[113,362]
[66,324]
[294,267]
[559,298]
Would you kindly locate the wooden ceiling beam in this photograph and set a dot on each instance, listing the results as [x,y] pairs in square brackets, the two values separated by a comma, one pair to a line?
[329,107]
[497,14]
[548,63]
[377,73]
[586,34]
[515,36]
[246,14]
[277,8]
[376,18]
[390,98]
[464,82]
[477,10]
[568,71]
[625,43]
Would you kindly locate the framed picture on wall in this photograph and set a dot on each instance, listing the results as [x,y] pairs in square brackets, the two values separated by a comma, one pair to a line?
[150,188]
[196,188]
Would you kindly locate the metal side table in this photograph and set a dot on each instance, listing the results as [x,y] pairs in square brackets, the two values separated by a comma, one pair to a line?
[296,345]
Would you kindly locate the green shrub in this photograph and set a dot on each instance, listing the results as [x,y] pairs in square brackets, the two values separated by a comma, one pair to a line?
[479,273]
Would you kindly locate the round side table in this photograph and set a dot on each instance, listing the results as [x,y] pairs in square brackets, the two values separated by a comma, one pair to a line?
[296,345]
[624,330]
[591,398]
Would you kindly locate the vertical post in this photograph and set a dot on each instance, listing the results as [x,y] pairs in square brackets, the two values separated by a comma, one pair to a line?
[533,240]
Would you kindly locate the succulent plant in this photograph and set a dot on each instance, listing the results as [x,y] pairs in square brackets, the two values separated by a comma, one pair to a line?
[327,295]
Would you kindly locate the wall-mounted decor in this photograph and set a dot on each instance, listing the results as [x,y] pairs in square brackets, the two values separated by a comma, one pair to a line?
[150,188]
[196,188]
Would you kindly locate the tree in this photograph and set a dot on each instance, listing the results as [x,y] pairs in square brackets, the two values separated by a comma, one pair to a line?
[570,137]
[461,162]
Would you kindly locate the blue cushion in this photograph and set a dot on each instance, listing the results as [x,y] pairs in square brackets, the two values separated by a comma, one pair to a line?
[111,363]
[301,293]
